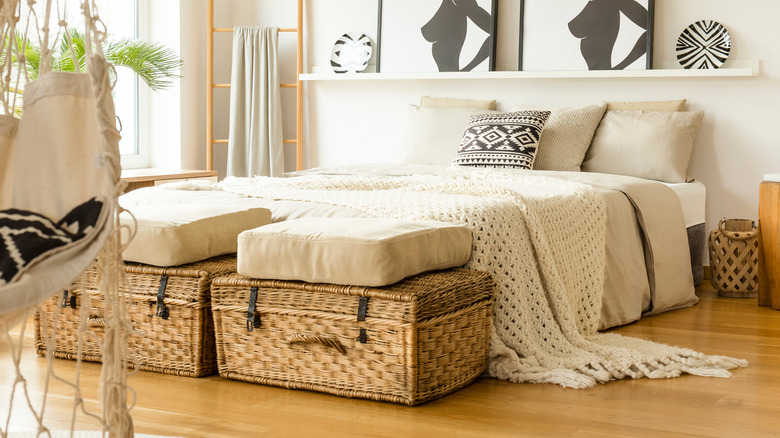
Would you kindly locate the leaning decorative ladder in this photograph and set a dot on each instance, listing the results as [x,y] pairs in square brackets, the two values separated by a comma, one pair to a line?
[211,141]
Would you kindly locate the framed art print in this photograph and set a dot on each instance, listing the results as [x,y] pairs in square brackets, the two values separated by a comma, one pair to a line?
[586,34]
[436,35]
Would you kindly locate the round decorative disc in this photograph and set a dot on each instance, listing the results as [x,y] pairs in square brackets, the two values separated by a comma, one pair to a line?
[351,53]
[702,45]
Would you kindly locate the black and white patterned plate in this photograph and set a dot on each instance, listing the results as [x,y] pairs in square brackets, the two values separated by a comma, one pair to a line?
[351,53]
[702,45]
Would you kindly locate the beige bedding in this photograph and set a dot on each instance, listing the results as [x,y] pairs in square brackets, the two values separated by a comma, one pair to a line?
[629,289]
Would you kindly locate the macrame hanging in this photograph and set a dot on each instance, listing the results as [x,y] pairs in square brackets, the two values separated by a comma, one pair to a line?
[59,182]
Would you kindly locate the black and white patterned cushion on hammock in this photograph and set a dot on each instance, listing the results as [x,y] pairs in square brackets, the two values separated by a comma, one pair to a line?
[502,140]
[26,236]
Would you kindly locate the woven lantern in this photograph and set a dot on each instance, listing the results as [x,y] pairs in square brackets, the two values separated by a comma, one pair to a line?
[734,258]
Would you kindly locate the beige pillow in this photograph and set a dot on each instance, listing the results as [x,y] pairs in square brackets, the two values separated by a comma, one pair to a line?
[175,234]
[566,137]
[355,251]
[646,144]
[433,135]
[658,105]
[450,102]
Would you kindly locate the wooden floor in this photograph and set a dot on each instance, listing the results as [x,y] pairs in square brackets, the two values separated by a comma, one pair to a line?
[745,405]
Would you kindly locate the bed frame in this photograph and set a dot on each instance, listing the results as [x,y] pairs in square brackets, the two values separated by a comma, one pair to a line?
[298,85]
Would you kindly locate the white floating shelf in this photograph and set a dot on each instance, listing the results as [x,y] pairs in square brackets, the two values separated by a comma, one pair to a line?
[731,69]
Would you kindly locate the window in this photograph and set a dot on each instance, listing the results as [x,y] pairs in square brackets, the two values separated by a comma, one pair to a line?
[114,14]
[149,121]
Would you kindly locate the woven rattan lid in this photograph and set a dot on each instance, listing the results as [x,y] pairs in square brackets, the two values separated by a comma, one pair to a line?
[423,296]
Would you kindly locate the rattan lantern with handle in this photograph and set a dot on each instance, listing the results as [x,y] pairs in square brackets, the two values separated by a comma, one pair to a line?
[734,258]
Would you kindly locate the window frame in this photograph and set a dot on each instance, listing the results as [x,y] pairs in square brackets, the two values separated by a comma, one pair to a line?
[142,156]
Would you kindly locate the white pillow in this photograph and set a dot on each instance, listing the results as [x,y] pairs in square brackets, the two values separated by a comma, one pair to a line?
[646,144]
[433,135]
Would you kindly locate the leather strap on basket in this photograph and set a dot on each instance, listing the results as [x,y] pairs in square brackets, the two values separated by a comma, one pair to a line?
[362,308]
[252,320]
[68,301]
[308,338]
[361,316]
[162,311]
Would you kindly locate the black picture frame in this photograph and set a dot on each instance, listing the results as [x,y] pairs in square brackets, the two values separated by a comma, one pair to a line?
[547,35]
[397,34]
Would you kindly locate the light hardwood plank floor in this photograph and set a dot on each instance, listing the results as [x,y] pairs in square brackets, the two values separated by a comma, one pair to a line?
[745,405]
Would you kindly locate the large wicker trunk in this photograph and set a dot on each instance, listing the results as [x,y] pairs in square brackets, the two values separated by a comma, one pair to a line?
[407,343]
[178,335]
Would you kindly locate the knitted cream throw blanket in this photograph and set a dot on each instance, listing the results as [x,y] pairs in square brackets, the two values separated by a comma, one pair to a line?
[543,240]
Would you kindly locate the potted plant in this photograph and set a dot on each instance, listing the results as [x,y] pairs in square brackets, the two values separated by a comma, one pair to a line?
[156,64]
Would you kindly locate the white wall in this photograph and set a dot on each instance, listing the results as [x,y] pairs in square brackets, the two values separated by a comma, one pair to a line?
[363,121]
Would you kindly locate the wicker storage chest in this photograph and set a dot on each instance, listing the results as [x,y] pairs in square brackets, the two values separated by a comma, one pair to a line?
[171,306]
[408,343]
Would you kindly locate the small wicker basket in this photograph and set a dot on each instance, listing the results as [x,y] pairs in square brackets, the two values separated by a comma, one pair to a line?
[734,258]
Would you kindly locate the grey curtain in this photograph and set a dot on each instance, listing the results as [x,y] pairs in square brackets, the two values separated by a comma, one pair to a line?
[255,142]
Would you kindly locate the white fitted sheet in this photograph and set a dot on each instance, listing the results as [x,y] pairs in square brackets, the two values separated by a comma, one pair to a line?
[692,199]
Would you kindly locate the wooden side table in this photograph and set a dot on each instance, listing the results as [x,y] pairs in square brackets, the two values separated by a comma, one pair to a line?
[137,178]
[769,242]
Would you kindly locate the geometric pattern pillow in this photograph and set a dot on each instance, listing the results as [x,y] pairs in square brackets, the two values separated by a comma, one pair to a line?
[27,237]
[502,140]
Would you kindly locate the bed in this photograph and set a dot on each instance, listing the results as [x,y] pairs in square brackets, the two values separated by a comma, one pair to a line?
[627,288]
[572,253]
[585,216]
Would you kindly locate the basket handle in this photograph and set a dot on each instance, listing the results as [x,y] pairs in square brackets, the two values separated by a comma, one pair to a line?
[96,321]
[738,236]
[308,338]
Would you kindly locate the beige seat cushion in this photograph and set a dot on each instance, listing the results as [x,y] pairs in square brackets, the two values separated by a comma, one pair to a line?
[353,251]
[175,234]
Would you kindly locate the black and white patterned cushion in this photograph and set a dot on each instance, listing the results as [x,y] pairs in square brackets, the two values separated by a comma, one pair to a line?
[502,140]
[27,237]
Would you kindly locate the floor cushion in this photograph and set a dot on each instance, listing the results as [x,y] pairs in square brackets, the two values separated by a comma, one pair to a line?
[353,251]
[170,235]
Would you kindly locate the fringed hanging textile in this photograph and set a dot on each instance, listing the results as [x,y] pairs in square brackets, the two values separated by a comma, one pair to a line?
[59,182]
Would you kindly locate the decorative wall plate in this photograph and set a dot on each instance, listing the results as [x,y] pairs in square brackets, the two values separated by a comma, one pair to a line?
[351,53]
[702,45]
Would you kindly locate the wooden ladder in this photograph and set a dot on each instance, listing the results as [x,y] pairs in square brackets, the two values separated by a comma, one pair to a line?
[211,141]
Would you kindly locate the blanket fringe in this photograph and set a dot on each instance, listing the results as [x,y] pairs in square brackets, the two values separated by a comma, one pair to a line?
[706,372]
[726,362]
[506,364]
